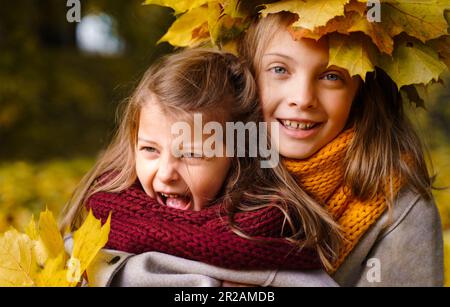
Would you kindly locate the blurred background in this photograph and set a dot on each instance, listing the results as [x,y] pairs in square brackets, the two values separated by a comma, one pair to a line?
[60,84]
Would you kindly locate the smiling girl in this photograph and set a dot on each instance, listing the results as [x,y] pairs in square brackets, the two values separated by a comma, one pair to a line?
[351,147]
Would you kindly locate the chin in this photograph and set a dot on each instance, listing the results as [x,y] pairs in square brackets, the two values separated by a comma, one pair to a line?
[295,154]
[293,150]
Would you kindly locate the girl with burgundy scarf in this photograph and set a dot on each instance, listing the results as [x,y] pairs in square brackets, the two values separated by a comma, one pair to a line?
[244,223]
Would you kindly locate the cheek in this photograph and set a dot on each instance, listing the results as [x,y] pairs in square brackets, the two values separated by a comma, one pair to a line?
[337,106]
[269,99]
[209,178]
[145,171]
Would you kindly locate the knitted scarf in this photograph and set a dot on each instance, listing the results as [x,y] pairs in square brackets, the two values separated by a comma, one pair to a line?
[140,224]
[322,177]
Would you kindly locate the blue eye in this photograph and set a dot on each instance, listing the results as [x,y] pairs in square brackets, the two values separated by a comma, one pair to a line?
[279,70]
[149,149]
[332,77]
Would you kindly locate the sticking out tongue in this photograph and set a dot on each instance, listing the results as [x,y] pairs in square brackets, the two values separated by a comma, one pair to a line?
[177,203]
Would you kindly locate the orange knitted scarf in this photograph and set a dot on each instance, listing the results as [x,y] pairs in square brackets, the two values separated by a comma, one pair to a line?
[322,177]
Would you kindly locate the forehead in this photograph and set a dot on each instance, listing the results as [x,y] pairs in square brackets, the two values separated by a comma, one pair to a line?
[307,52]
[156,124]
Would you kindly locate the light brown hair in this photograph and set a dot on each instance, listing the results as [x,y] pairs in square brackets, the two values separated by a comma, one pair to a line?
[215,84]
[385,143]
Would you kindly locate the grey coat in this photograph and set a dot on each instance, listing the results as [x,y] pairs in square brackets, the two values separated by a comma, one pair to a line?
[408,252]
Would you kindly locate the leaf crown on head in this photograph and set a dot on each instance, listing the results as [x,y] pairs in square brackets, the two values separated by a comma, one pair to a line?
[408,39]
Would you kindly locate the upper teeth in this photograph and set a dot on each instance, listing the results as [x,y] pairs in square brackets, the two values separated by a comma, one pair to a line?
[296,125]
[170,195]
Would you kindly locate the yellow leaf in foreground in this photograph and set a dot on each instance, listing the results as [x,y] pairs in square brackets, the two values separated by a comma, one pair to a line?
[54,273]
[17,261]
[88,240]
[38,258]
[49,234]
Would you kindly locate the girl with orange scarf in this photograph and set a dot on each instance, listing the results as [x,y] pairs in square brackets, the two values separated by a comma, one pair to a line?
[352,148]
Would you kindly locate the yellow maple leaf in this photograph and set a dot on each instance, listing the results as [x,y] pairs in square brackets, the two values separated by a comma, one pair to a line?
[422,19]
[311,13]
[353,52]
[49,234]
[180,33]
[412,63]
[214,14]
[16,259]
[179,6]
[38,257]
[359,7]
[88,240]
[54,273]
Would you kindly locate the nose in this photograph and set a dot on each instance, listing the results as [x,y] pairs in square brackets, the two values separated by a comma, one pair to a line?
[302,93]
[167,170]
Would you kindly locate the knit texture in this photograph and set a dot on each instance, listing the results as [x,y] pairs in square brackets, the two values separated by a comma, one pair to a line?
[322,177]
[140,224]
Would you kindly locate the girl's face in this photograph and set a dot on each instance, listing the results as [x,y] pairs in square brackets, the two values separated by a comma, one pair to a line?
[310,100]
[189,182]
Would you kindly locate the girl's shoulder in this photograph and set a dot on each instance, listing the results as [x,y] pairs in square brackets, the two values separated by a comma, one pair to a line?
[411,208]
[405,244]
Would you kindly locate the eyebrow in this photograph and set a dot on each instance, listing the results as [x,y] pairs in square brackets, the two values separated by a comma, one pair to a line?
[144,140]
[280,55]
[323,64]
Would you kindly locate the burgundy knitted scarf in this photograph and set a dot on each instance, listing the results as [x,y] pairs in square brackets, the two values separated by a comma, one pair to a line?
[140,224]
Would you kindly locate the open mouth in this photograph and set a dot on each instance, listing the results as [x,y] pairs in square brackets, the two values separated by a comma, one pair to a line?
[177,201]
[296,125]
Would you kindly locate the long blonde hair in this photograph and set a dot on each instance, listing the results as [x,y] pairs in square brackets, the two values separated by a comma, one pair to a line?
[210,82]
[385,143]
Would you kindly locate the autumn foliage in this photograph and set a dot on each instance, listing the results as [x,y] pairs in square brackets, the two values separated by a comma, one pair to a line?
[410,40]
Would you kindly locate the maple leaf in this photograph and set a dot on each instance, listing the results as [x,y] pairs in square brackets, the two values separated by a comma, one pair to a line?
[352,21]
[354,52]
[412,62]
[214,25]
[422,19]
[54,273]
[16,259]
[38,257]
[442,46]
[181,32]
[311,13]
[231,8]
[359,7]
[362,46]
[88,240]
[179,6]
[49,234]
